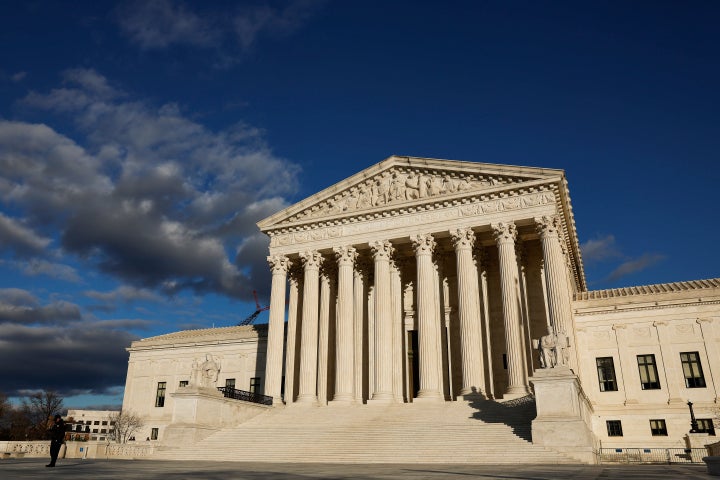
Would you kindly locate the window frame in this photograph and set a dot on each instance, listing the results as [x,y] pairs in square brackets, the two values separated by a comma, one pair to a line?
[708,426]
[606,383]
[254,385]
[692,370]
[614,428]
[230,383]
[649,368]
[160,394]
[154,433]
[660,427]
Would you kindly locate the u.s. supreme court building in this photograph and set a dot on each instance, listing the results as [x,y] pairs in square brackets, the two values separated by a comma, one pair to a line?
[436,310]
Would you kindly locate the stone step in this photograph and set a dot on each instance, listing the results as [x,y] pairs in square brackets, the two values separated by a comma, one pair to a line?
[451,432]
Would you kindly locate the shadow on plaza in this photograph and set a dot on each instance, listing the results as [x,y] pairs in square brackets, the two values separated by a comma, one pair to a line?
[517,414]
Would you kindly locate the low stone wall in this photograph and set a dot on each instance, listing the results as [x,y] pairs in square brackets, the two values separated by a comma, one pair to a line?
[77,450]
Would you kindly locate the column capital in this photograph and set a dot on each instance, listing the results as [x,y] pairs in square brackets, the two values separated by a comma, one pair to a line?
[381,249]
[548,226]
[279,264]
[504,232]
[423,244]
[311,259]
[462,238]
[345,255]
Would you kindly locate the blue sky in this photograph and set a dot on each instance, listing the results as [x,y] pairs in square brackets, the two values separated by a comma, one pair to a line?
[141,141]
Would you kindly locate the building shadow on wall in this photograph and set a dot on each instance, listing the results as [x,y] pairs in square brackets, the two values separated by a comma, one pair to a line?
[518,414]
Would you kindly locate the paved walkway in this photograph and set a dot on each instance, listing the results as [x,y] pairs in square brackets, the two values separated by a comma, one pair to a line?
[34,468]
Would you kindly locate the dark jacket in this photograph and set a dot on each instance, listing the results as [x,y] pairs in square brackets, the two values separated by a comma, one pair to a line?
[57,432]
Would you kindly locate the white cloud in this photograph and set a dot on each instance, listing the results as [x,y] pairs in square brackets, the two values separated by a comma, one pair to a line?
[599,249]
[37,266]
[160,24]
[148,195]
[17,237]
[635,265]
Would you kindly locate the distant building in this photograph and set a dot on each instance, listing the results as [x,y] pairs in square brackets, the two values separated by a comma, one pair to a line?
[438,282]
[90,424]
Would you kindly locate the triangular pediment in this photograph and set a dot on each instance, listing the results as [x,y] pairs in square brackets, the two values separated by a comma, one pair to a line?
[399,182]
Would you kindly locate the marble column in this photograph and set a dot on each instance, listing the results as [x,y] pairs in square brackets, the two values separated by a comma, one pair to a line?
[428,319]
[344,352]
[291,340]
[383,383]
[558,290]
[309,341]
[359,294]
[323,335]
[469,313]
[276,326]
[397,330]
[505,234]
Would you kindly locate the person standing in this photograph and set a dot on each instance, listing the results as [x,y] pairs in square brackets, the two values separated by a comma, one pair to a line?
[57,438]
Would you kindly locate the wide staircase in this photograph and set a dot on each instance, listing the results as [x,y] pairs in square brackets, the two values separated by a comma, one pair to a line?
[479,431]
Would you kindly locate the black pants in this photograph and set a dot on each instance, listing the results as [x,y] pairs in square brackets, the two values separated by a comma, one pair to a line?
[54,451]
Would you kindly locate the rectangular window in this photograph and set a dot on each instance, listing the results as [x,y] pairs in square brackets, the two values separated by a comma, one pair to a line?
[230,383]
[103,430]
[95,430]
[112,422]
[104,422]
[658,428]
[614,428]
[692,370]
[255,385]
[705,425]
[183,383]
[160,396]
[606,374]
[648,372]
[96,422]
[154,433]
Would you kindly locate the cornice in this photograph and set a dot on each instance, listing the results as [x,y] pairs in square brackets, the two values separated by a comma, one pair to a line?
[648,289]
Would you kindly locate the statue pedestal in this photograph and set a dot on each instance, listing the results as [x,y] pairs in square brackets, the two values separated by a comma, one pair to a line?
[201,411]
[563,414]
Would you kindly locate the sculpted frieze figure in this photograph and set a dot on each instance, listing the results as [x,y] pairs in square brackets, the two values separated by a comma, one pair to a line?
[394,186]
[205,374]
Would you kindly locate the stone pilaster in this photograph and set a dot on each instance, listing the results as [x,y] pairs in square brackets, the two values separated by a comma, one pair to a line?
[556,280]
[706,328]
[291,340]
[505,234]
[382,251]
[428,321]
[469,313]
[344,352]
[673,375]
[276,326]
[631,388]
[309,341]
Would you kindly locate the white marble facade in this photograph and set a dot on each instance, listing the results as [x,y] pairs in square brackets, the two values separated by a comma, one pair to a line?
[424,280]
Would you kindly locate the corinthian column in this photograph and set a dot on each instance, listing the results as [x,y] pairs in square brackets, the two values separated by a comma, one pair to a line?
[558,290]
[428,320]
[291,341]
[273,362]
[382,250]
[505,234]
[473,380]
[326,275]
[309,341]
[344,325]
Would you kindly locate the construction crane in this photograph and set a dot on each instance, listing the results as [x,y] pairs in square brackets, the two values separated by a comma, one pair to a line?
[249,320]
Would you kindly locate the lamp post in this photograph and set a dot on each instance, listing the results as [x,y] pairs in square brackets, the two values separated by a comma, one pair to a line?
[693,422]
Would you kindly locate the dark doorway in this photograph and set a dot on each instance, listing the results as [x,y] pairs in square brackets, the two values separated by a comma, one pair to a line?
[414,361]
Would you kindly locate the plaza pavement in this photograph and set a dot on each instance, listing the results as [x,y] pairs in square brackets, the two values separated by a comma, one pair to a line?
[34,468]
